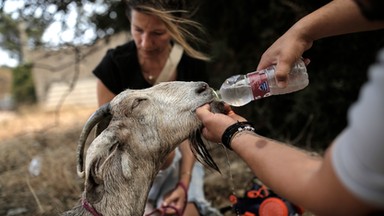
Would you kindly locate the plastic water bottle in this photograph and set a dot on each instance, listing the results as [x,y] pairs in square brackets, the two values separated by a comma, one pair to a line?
[239,90]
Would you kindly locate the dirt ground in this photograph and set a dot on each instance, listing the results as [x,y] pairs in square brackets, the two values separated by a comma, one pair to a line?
[34,135]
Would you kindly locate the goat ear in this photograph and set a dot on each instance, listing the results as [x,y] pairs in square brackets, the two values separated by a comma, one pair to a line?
[125,161]
[100,164]
[94,185]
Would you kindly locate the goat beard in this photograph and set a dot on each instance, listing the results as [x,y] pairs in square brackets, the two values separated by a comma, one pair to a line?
[200,151]
[198,143]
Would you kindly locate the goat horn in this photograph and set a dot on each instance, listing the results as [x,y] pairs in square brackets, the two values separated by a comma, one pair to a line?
[96,117]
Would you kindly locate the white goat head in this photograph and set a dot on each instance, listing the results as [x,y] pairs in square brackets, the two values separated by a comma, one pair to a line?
[146,125]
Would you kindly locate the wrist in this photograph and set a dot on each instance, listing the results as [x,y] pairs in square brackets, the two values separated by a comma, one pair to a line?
[185,178]
[234,130]
[302,34]
[187,174]
[241,139]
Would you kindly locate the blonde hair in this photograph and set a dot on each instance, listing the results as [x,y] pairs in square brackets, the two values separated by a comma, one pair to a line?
[177,27]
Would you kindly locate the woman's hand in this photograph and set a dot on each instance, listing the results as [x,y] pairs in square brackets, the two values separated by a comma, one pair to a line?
[177,198]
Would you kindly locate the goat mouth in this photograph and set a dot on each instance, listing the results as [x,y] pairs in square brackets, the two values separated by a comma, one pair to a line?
[216,104]
[217,107]
[198,106]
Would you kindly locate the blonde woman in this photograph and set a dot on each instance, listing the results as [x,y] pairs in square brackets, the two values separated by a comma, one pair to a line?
[159,52]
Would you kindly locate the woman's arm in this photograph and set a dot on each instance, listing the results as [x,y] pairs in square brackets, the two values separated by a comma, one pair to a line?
[187,162]
[297,175]
[177,197]
[104,95]
[336,18]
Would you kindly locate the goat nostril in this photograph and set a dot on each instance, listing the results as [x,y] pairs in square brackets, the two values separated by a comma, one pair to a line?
[202,88]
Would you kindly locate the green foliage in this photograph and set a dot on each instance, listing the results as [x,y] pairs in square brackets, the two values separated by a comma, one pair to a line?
[11,31]
[23,89]
[9,39]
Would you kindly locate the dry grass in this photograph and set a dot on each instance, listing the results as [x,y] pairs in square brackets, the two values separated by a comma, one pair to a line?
[32,119]
[33,133]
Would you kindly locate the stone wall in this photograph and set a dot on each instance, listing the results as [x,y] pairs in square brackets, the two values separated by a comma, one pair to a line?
[54,72]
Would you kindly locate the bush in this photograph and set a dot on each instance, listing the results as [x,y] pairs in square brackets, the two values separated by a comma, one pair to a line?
[22,87]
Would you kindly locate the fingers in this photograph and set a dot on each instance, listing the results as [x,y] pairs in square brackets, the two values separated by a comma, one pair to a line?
[227,108]
[174,201]
[282,67]
[267,59]
[169,199]
[306,61]
[281,73]
[203,111]
[234,116]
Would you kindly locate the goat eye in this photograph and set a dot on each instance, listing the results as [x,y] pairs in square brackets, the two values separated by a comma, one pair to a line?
[137,102]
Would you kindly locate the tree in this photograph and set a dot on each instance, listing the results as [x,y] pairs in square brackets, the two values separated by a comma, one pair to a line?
[23,89]
[23,27]
[21,31]
[9,39]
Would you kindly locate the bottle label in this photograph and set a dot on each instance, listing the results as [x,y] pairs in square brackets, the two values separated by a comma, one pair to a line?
[259,84]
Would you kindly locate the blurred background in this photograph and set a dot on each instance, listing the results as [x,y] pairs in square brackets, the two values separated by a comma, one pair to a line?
[48,49]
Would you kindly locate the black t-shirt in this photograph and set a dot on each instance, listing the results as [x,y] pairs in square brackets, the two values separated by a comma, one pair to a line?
[120,69]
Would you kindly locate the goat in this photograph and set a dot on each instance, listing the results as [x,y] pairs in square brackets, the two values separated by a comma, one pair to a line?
[146,125]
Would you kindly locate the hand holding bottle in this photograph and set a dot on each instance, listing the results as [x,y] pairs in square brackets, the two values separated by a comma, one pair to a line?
[284,52]
[239,90]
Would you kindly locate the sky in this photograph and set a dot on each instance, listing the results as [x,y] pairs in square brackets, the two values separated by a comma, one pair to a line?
[54,34]
[5,59]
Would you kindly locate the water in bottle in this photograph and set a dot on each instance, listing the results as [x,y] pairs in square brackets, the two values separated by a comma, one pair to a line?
[239,90]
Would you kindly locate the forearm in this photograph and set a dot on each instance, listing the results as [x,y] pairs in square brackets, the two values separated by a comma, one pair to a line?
[336,18]
[297,175]
[187,162]
[272,161]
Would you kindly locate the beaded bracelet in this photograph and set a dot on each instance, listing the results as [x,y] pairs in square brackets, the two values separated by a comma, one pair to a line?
[232,130]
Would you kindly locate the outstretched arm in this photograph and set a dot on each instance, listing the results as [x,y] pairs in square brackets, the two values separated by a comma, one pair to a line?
[302,178]
[336,18]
